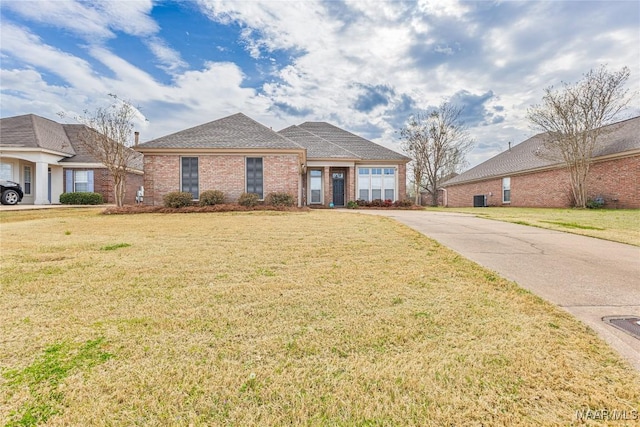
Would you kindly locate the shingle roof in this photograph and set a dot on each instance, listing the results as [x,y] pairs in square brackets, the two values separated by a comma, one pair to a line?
[236,131]
[360,147]
[74,132]
[317,148]
[623,136]
[31,131]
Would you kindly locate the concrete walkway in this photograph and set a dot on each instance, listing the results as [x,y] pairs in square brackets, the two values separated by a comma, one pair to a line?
[588,277]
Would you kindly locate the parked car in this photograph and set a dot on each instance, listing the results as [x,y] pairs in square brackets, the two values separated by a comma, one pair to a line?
[11,192]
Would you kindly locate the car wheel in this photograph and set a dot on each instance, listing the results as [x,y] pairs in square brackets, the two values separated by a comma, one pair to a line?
[10,197]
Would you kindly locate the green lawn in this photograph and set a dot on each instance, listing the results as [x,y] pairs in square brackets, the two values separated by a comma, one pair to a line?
[274,318]
[618,225]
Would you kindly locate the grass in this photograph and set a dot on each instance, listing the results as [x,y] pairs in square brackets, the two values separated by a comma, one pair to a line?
[274,318]
[618,225]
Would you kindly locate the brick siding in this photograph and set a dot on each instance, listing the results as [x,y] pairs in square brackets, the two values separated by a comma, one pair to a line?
[225,173]
[617,181]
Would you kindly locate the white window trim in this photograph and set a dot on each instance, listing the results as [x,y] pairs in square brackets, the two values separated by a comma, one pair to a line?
[321,202]
[75,180]
[505,188]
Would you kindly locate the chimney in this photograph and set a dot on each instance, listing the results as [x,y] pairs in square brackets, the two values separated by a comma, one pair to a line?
[136,138]
[509,144]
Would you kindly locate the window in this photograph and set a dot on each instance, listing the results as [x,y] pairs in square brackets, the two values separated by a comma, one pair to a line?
[189,176]
[506,190]
[27,180]
[254,176]
[364,181]
[81,181]
[377,183]
[389,183]
[6,171]
[315,186]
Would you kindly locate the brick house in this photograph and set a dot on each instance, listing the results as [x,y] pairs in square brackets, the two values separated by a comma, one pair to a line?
[48,159]
[520,177]
[317,163]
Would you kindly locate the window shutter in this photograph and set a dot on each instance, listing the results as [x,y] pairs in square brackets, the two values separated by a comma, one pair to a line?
[90,181]
[69,184]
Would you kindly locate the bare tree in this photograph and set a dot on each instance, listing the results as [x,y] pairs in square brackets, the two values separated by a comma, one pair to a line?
[437,143]
[107,137]
[573,118]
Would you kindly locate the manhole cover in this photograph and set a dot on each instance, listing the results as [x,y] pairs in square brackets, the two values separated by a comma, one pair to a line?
[629,324]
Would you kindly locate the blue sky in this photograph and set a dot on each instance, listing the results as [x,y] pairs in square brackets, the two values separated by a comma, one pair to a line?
[362,65]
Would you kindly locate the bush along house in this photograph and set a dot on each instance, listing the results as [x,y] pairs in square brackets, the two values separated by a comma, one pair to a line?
[317,163]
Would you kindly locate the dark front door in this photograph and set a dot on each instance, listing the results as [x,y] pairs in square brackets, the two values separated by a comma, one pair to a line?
[338,188]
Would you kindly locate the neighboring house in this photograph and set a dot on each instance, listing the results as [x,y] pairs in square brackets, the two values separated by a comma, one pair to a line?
[521,177]
[317,163]
[47,159]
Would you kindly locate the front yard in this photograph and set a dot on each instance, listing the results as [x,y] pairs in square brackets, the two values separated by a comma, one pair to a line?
[618,225]
[278,318]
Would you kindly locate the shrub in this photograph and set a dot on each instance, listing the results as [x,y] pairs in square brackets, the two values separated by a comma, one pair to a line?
[177,199]
[211,197]
[352,205]
[595,203]
[280,199]
[248,199]
[81,198]
[405,203]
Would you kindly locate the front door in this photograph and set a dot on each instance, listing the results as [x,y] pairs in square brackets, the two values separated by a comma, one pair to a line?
[338,188]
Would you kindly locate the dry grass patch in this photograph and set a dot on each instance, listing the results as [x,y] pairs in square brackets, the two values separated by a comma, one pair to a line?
[618,225]
[274,318]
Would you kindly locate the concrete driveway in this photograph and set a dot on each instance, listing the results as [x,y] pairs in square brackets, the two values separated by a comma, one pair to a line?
[588,277]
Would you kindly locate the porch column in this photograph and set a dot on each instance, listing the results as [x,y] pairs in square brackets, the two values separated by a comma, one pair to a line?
[328,191]
[42,184]
[351,184]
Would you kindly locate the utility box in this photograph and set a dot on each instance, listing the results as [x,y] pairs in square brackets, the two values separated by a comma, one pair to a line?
[480,201]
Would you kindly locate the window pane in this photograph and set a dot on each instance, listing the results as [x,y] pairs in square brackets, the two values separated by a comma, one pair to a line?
[364,194]
[389,172]
[80,181]
[316,186]
[363,171]
[376,171]
[190,176]
[254,176]
[27,180]
[376,194]
[388,194]
[506,197]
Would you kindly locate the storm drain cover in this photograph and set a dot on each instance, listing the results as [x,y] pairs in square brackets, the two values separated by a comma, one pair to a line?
[629,324]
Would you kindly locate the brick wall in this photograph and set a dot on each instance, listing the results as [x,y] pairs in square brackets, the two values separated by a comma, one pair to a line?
[614,180]
[402,181]
[220,172]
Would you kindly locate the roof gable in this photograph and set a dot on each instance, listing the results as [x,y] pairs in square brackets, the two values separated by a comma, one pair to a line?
[317,147]
[232,132]
[362,148]
[623,137]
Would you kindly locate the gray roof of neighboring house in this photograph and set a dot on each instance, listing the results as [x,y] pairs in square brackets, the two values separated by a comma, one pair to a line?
[83,155]
[31,131]
[621,137]
[360,147]
[236,131]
